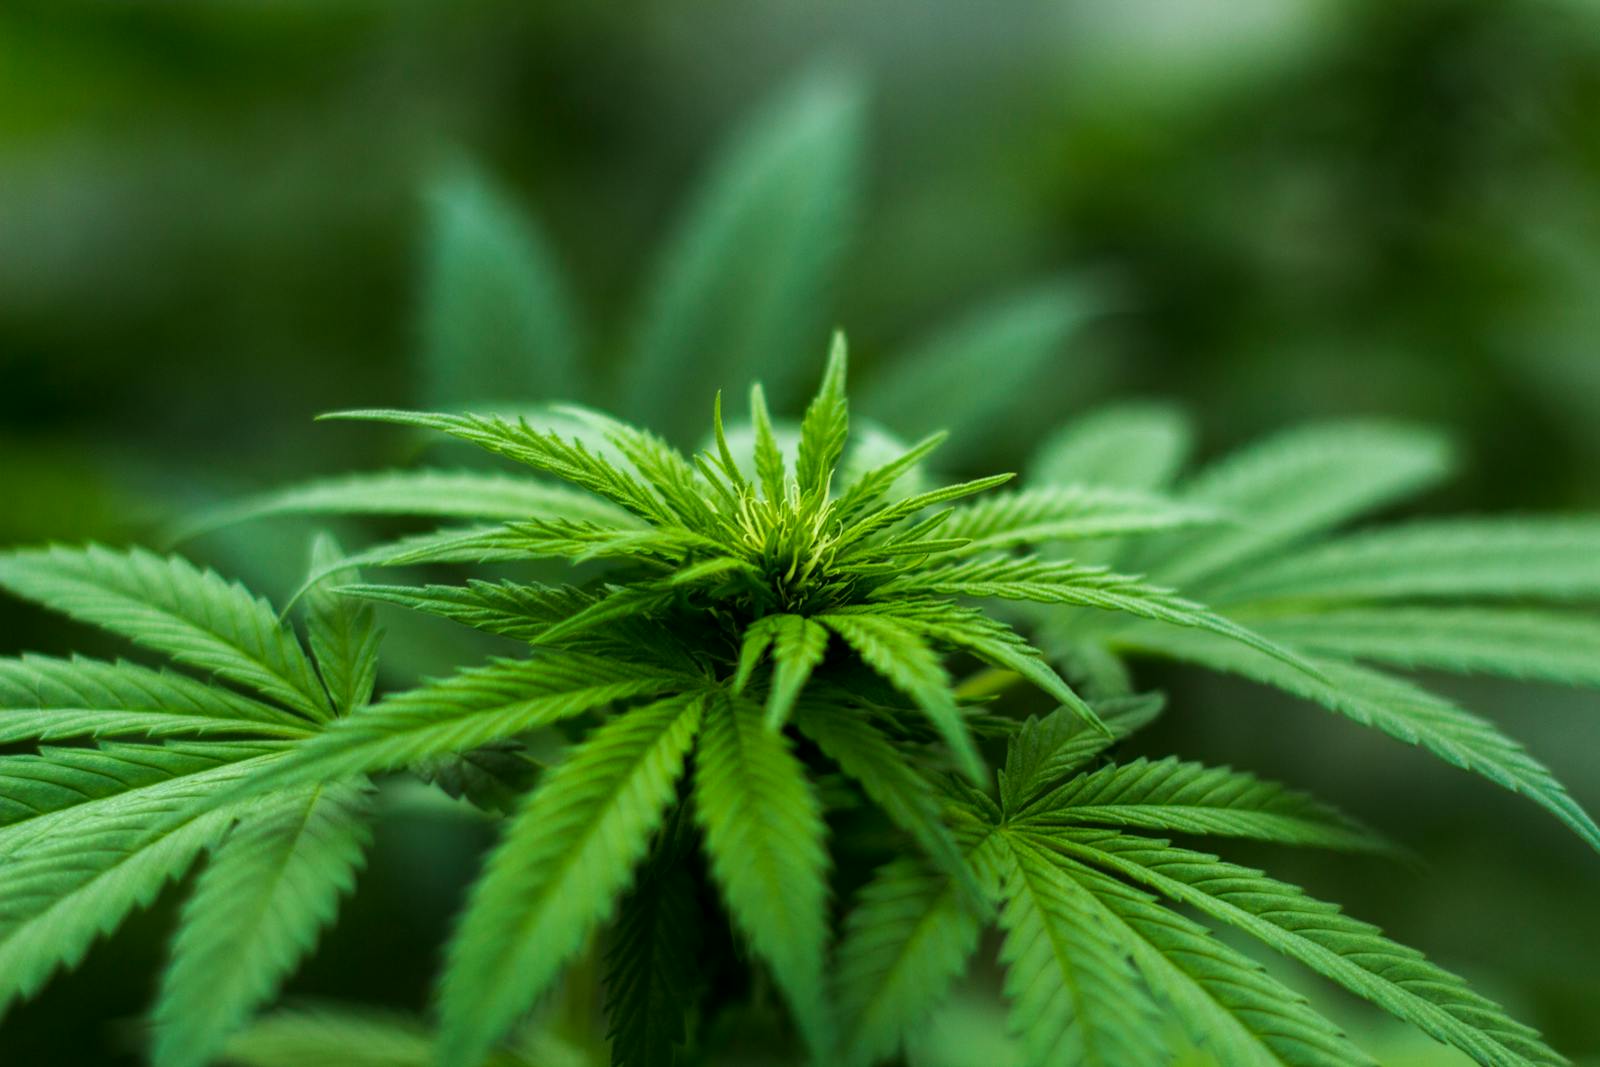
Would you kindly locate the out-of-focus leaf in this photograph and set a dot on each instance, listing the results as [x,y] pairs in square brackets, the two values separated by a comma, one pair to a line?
[740,291]
[497,321]
[969,376]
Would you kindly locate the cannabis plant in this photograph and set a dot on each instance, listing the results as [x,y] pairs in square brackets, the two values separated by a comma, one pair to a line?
[738,289]
[787,671]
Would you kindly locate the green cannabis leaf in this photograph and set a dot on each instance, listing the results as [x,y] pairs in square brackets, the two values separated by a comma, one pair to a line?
[1461,595]
[95,828]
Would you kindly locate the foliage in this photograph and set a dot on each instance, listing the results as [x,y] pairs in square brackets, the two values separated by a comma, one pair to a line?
[772,685]
[755,633]
[96,828]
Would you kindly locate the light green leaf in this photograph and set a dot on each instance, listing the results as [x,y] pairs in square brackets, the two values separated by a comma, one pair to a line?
[623,603]
[878,467]
[557,872]
[1191,798]
[1396,707]
[859,532]
[726,469]
[566,457]
[1044,750]
[579,542]
[1066,513]
[669,472]
[765,838]
[324,1037]
[62,892]
[1543,645]
[346,1037]
[61,792]
[986,638]
[1352,953]
[443,493]
[1075,996]
[527,611]
[906,940]
[344,637]
[1225,1002]
[770,468]
[758,637]
[168,604]
[454,544]
[471,708]
[46,699]
[257,908]
[521,610]
[825,428]
[1136,447]
[1063,582]
[899,653]
[798,645]
[895,784]
[1067,639]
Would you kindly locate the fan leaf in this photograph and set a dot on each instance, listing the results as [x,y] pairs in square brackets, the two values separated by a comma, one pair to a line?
[1547,646]
[63,891]
[1399,709]
[257,909]
[1075,996]
[458,494]
[47,699]
[344,638]
[1191,798]
[1225,1002]
[468,709]
[168,604]
[765,838]
[906,940]
[897,652]
[1347,951]
[557,872]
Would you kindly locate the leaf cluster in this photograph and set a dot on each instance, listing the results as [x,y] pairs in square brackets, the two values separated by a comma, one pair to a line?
[119,796]
[750,634]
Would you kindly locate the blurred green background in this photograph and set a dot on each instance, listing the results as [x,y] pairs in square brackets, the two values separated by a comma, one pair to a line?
[219,219]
